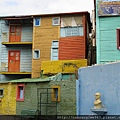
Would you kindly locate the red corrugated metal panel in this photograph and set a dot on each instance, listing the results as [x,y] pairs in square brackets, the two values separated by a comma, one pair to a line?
[71,48]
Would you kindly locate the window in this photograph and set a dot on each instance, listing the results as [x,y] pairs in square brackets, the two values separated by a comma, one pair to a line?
[56,93]
[54,50]
[1,92]
[71,31]
[55,21]
[20,92]
[118,38]
[36,54]
[37,21]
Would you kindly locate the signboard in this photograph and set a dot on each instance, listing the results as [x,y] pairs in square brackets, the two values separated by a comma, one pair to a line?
[108,7]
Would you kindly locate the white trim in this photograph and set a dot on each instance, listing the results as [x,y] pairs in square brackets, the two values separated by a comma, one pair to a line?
[39,21]
[58,21]
[54,46]
[38,54]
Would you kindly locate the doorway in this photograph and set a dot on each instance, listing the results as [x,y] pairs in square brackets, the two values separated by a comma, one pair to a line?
[14,61]
[15,33]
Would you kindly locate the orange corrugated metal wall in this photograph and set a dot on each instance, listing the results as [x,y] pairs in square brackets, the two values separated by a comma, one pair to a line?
[72,48]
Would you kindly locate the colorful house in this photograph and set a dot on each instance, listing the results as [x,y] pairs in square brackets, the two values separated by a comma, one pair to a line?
[26,41]
[54,95]
[107,30]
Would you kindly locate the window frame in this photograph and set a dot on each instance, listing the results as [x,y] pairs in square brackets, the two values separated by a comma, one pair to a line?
[70,31]
[35,21]
[54,46]
[53,21]
[118,38]
[1,96]
[38,54]
[18,92]
[53,93]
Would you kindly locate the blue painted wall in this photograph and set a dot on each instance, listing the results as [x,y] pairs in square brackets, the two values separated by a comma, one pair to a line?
[106,39]
[101,78]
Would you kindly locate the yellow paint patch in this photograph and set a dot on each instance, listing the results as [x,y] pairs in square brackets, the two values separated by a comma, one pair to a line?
[8,101]
[62,66]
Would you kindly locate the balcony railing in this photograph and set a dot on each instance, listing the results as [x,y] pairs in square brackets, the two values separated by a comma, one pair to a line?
[26,38]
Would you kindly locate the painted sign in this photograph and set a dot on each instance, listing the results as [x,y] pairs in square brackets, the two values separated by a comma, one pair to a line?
[108,7]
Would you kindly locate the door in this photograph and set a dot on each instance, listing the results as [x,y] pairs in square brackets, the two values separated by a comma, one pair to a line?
[45,104]
[15,33]
[14,61]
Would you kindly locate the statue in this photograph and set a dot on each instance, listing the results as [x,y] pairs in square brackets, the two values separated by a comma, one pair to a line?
[99,108]
[97,102]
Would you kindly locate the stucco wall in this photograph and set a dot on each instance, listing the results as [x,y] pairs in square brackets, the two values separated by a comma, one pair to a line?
[8,102]
[101,78]
[67,104]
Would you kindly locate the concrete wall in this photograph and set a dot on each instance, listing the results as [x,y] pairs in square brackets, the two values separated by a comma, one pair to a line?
[101,78]
[67,104]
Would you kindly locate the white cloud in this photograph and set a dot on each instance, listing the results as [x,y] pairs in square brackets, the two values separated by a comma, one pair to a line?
[27,7]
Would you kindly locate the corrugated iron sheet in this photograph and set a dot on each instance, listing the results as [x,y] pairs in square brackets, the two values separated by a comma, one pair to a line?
[62,66]
[72,48]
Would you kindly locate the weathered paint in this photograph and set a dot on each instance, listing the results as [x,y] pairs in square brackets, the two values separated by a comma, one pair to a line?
[67,104]
[103,79]
[26,34]
[62,66]
[8,102]
[42,40]
[72,48]
[25,58]
[106,38]
[25,51]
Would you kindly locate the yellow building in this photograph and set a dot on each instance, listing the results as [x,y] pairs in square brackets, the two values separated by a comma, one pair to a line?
[7,99]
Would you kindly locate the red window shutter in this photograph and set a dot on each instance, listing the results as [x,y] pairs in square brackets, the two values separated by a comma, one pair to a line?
[118,38]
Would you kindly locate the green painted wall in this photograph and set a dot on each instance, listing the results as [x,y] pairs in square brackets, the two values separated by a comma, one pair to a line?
[106,39]
[67,104]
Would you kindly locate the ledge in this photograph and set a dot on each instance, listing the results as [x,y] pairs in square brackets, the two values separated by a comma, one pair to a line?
[14,43]
[101,111]
[7,73]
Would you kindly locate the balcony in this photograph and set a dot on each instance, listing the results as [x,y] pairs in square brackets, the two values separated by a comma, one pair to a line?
[25,39]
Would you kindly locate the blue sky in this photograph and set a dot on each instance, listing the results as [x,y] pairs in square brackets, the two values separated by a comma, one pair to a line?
[28,7]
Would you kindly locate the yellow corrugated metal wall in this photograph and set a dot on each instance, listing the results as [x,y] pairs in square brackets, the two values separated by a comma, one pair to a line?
[8,101]
[62,66]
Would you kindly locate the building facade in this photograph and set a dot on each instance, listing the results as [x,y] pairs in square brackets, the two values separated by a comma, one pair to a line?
[54,95]
[26,41]
[107,30]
